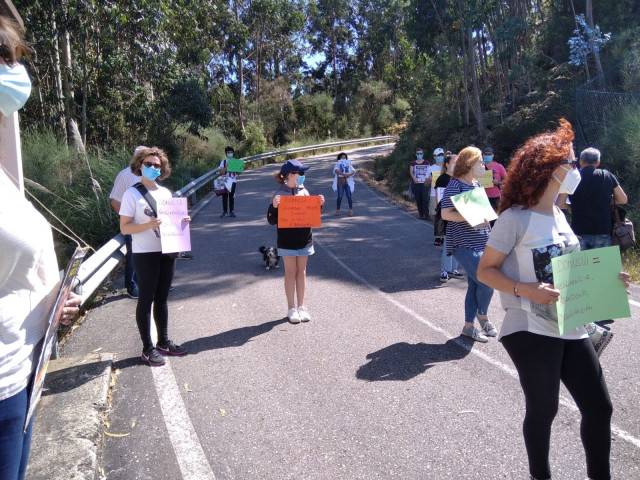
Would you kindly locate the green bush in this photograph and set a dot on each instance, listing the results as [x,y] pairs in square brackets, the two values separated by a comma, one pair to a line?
[255,141]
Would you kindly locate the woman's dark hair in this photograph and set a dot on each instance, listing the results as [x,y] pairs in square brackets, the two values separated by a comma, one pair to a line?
[229,149]
[533,165]
[341,154]
[447,160]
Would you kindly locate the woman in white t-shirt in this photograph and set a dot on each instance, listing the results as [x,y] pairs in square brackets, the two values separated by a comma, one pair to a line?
[531,231]
[154,269]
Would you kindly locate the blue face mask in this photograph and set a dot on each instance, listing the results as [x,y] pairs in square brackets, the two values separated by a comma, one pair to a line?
[487,159]
[301,179]
[419,155]
[439,159]
[15,88]
[229,154]
[151,173]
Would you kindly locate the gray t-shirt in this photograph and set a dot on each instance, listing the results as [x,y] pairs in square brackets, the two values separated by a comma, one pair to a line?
[530,240]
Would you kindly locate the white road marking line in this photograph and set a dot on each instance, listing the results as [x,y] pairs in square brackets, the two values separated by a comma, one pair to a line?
[192,461]
[502,366]
[633,302]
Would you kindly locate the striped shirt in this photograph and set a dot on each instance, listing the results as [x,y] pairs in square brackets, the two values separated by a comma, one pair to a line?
[125,179]
[461,234]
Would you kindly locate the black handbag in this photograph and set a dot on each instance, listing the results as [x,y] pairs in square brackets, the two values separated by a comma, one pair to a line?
[622,233]
[439,225]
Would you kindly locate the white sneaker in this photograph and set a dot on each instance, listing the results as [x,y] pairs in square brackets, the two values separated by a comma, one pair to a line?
[474,333]
[303,313]
[293,316]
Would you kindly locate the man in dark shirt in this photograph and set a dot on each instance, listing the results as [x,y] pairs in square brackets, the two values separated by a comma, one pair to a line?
[591,202]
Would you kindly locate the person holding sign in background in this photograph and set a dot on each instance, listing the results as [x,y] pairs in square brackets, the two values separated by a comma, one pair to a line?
[29,278]
[343,181]
[435,167]
[138,218]
[418,171]
[228,197]
[499,174]
[294,244]
[449,263]
[467,243]
[531,231]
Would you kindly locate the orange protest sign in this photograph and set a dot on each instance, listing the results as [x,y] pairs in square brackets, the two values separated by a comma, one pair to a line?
[299,212]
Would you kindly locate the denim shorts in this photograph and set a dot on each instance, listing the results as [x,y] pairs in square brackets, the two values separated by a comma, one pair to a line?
[285,252]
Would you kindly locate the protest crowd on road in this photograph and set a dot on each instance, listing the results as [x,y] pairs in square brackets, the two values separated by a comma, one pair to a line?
[514,257]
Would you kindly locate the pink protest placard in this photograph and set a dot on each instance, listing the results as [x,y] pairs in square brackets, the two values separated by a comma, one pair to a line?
[174,232]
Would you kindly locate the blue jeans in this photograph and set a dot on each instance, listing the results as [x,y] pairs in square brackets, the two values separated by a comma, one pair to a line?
[130,279]
[449,264]
[14,443]
[342,189]
[587,242]
[478,295]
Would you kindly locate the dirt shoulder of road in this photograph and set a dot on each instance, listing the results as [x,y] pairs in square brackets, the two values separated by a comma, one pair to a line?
[365,173]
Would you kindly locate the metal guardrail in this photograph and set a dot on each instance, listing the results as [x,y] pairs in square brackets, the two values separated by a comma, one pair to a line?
[95,269]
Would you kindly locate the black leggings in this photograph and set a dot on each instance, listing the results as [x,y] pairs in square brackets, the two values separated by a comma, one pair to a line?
[155,273]
[542,362]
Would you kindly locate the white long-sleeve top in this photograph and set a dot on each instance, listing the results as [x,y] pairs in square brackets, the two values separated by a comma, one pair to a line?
[29,282]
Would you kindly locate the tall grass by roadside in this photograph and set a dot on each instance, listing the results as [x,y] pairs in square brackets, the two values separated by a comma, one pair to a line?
[59,176]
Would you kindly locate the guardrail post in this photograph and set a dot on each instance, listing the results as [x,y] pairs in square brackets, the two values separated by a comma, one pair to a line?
[194,197]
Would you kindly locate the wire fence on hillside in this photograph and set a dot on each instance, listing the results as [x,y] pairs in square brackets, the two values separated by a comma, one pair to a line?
[597,108]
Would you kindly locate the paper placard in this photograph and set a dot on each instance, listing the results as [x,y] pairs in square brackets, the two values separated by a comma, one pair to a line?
[474,206]
[235,165]
[434,178]
[486,180]
[299,212]
[590,287]
[420,172]
[174,232]
[42,352]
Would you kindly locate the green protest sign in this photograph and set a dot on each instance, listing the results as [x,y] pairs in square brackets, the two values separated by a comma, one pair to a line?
[235,165]
[474,206]
[590,287]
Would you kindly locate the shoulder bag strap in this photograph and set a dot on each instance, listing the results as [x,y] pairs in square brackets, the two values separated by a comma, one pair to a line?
[147,196]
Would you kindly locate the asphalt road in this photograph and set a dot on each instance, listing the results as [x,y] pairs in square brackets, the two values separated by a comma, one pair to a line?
[379,385]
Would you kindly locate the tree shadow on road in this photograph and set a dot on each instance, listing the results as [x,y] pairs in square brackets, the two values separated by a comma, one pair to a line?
[403,361]
[232,338]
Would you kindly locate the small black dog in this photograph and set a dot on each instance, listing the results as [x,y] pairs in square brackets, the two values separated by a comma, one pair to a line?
[270,256]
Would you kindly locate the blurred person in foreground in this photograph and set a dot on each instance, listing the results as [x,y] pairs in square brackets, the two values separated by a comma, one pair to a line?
[29,278]
[531,231]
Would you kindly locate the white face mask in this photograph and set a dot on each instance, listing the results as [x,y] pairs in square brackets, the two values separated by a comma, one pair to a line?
[478,170]
[570,182]
[15,88]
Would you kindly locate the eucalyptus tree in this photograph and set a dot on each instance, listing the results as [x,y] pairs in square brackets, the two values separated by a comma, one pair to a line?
[332,33]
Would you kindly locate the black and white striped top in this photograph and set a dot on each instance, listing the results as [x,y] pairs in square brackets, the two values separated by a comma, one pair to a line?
[461,234]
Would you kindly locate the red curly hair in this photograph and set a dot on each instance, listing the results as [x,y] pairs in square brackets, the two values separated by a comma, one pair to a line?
[533,165]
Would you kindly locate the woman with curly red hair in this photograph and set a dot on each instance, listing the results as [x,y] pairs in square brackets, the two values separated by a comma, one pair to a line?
[531,231]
